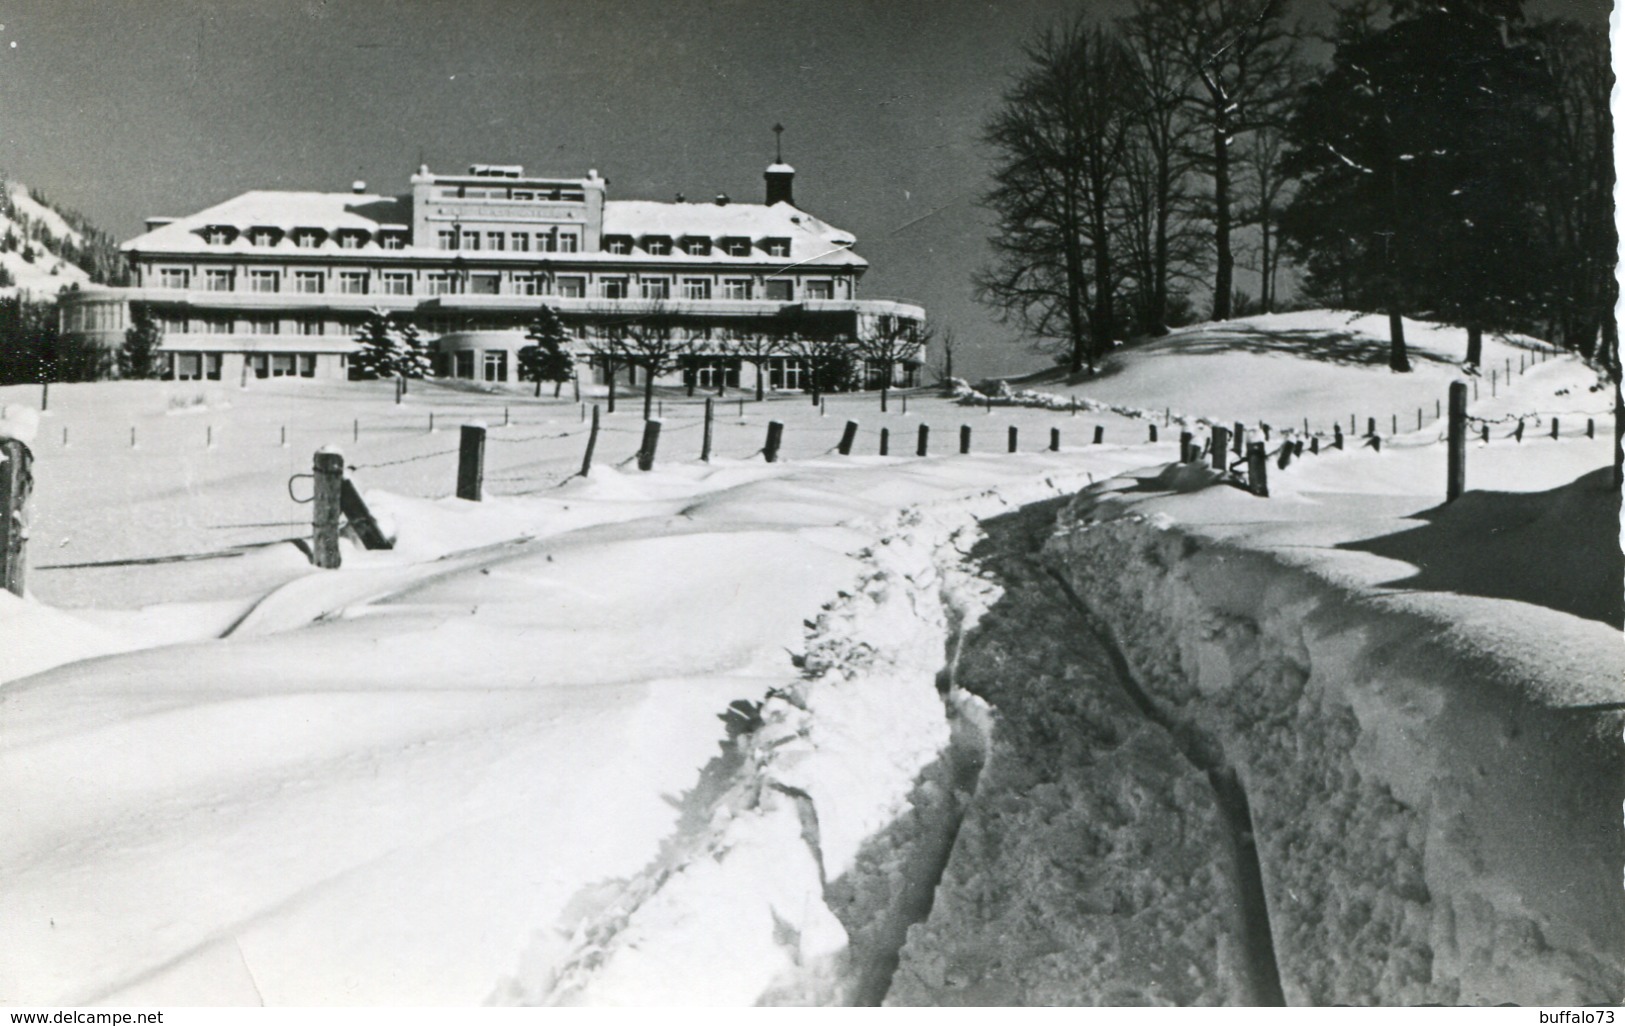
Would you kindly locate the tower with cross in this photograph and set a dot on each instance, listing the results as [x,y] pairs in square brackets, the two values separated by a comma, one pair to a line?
[779,176]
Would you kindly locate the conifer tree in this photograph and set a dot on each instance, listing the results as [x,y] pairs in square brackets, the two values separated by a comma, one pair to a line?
[138,357]
[413,359]
[380,346]
[549,357]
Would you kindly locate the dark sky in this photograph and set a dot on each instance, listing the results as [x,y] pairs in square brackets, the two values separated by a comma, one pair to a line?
[137,107]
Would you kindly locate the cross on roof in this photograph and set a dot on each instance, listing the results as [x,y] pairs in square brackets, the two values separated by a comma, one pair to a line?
[778,144]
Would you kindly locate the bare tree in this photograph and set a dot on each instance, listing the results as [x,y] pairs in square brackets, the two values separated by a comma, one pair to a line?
[1060,138]
[757,348]
[1239,56]
[1265,192]
[653,340]
[826,357]
[886,342]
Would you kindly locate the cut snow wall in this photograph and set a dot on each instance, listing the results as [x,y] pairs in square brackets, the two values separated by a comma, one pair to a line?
[1437,817]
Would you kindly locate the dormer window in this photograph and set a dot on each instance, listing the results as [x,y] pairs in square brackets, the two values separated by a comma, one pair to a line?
[308,238]
[392,240]
[657,245]
[219,235]
[736,246]
[697,245]
[621,244]
[264,236]
[351,238]
[777,247]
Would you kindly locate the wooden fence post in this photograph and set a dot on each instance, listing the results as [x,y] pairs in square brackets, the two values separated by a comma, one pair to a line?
[355,430]
[775,436]
[885,442]
[16,482]
[1337,436]
[924,443]
[1238,437]
[848,436]
[1153,428]
[1074,406]
[1257,470]
[964,439]
[1012,438]
[328,505]
[1054,439]
[1455,481]
[1314,444]
[1186,449]
[471,463]
[1221,445]
[1591,430]
[360,517]
[44,396]
[1517,432]
[705,439]
[1554,429]
[905,404]
[1486,436]
[651,442]
[592,442]
[1100,434]
[1371,426]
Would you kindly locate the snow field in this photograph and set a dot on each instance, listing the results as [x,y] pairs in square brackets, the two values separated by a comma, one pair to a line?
[1435,814]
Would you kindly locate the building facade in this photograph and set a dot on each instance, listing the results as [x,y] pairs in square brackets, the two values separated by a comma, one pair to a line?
[276,284]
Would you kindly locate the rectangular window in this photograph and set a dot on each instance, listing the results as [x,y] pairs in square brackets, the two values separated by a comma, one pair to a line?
[218,280]
[617,244]
[786,372]
[398,283]
[778,289]
[187,366]
[438,284]
[496,365]
[818,289]
[527,285]
[447,239]
[736,247]
[174,278]
[484,284]
[174,324]
[572,286]
[471,240]
[353,283]
[262,237]
[711,373]
[218,236]
[521,242]
[569,242]
[736,288]
[312,326]
[307,365]
[218,325]
[283,365]
[697,247]
[309,281]
[306,240]
[212,363]
[349,240]
[777,247]
[547,242]
[393,240]
[613,288]
[264,281]
[465,363]
[655,288]
[495,240]
[696,288]
[264,326]
[657,245]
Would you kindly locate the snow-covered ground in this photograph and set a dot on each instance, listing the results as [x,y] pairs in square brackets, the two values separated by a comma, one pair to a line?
[833,730]
[47,273]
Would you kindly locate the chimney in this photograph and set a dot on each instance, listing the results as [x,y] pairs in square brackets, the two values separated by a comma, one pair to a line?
[358,187]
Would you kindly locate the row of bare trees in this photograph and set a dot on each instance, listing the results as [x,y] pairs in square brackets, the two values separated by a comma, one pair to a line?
[655,341]
[1127,155]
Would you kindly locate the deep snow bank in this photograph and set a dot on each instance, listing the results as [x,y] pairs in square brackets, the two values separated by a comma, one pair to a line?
[1436,811]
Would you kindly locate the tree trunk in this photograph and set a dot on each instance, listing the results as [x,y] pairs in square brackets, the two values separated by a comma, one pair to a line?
[1398,360]
[539,387]
[761,380]
[1224,262]
[1475,344]
[648,392]
[609,374]
[558,387]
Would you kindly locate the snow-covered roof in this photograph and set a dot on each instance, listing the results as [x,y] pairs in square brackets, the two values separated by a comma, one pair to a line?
[780,168]
[329,211]
[811,240]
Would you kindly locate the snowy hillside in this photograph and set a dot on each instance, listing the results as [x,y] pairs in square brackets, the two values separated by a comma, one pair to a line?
[1081,726]
[35,266]
[1281,369]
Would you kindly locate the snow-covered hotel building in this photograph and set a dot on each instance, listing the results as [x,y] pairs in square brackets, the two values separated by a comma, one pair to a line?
[282,280]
